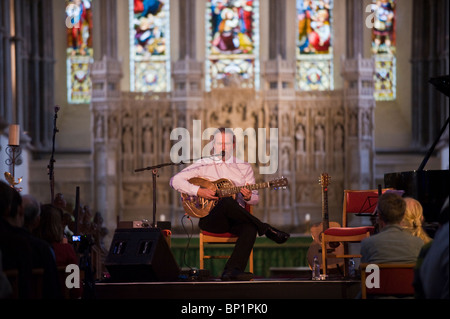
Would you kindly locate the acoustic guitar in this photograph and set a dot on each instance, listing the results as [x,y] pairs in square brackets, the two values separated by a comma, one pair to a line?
[315,248]
[200,207]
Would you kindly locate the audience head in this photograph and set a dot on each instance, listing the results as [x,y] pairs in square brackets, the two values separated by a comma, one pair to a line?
[50,226]
[391,208]
[413,219]
[11,205]
[59,201]
[31,211]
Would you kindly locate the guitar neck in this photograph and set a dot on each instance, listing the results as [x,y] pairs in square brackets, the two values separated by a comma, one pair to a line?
[228,191]
[325,219]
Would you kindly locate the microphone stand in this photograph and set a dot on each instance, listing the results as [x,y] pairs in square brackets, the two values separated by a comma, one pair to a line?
[50,166]
[154,170]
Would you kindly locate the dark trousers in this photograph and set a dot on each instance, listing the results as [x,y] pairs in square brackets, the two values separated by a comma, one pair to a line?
[229,216]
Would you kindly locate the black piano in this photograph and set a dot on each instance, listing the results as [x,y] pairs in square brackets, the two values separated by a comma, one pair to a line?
[430,188]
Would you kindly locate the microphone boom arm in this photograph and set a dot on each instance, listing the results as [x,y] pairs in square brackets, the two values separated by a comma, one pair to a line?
[154,170]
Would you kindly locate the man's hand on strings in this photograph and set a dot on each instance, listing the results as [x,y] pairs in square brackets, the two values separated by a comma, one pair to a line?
[207,193]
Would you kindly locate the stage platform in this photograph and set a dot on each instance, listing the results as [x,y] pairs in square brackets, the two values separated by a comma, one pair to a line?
[274,288]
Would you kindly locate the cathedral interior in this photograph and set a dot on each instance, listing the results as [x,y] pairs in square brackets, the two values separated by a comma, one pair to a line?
[99,88]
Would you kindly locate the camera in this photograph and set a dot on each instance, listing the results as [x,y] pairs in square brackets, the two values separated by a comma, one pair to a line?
[82,243]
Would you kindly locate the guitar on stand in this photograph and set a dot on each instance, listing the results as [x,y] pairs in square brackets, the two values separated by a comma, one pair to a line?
[315,250]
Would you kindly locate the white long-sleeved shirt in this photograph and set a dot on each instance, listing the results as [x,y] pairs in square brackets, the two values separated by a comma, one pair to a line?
[234,169]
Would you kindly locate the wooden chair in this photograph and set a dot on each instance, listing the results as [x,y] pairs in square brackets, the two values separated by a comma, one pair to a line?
[13,277]
[355,202]
[36,283]
[219,238]
[394,280]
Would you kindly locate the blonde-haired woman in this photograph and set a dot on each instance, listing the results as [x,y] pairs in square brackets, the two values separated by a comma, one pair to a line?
[412,221]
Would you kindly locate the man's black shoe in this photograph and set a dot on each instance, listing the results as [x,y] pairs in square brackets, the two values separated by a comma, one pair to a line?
[276,235]
[236,275]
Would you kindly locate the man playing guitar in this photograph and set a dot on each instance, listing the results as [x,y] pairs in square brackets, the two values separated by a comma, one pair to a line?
[228,214]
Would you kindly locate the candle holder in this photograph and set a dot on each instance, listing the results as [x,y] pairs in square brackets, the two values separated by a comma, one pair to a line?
[13,152]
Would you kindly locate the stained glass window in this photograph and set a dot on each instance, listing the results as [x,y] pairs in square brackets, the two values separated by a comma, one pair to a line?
[150,46]
[232,37]
[314,48]
[79,50]
[384,49]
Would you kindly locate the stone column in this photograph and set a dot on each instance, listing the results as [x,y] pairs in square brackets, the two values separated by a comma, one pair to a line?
[108,21]
[6,98]
[277,29]
[106,126]
[187,95]
[106,138]
[355,39]
[279,79]
[430,58]
[359,105]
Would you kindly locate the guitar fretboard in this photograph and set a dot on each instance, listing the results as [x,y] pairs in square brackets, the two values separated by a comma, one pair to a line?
[228,191]
[325,208]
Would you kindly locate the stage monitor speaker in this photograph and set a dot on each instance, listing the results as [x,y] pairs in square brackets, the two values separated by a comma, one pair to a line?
[141,254]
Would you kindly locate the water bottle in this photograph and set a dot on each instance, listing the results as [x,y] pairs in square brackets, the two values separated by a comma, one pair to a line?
[351,268]
[316,269]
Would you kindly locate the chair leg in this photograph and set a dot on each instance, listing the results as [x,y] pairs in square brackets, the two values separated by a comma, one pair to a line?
[202,255]
[324,256]
[363,284]
[251,262]
[346,260]
[201,252]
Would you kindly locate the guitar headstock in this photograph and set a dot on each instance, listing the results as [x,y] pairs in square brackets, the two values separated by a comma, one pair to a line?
[279,183]
[324,180]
